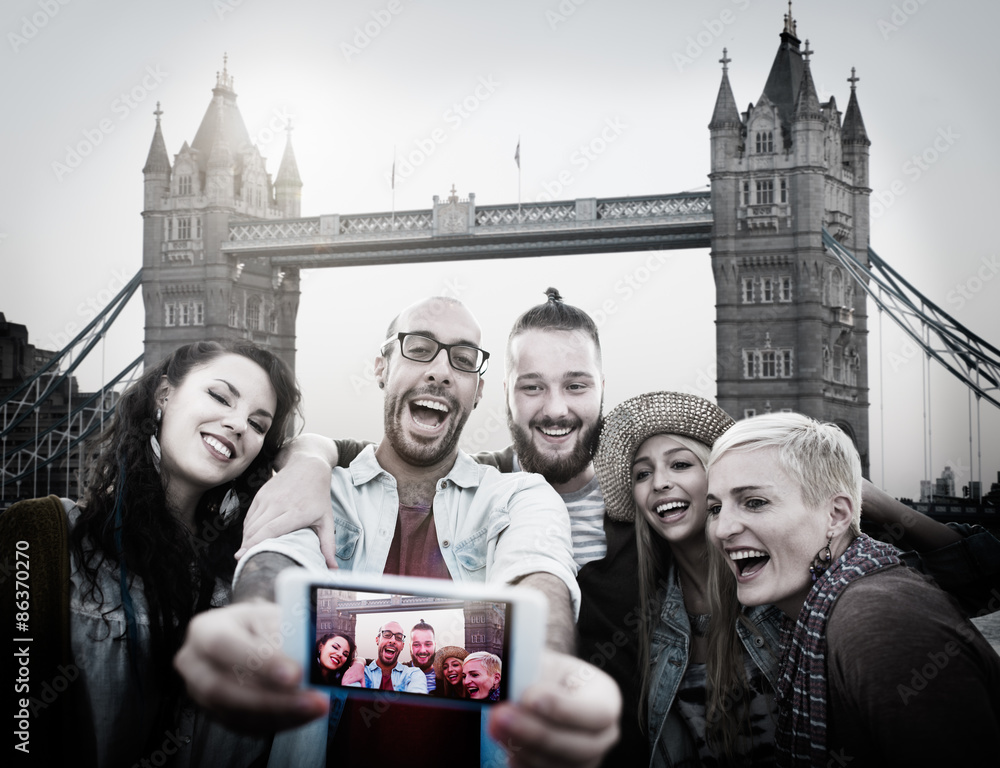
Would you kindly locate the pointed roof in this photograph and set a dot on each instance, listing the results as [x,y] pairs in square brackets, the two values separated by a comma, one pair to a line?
[220,156]
[288,171]
[222,121]
[785,78]
[854,127]
[806,101]
[726,115]
[157,161]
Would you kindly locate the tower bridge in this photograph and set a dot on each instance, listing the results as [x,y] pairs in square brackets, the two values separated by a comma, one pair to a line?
[787,222]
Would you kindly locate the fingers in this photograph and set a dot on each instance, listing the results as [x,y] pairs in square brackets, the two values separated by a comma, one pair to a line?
[233,666]
[570,718]
[326,531]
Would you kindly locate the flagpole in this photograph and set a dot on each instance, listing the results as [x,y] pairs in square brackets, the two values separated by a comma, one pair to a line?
[393,187]
[517,158]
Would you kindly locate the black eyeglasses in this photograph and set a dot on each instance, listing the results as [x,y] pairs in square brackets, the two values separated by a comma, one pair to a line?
[387,635]
[423,349]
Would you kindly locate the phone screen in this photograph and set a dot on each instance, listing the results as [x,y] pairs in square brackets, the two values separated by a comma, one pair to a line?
[451,649]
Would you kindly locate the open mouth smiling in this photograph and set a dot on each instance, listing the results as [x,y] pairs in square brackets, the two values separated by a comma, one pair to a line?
[671,509]
[748,562]
[428,414]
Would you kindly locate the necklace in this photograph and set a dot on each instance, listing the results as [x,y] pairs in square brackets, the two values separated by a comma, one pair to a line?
[699,623]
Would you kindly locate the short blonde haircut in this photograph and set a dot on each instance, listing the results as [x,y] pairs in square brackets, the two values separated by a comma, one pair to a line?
[818,456]
[491,662]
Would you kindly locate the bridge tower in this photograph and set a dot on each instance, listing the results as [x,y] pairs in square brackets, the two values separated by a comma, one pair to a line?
[791,327]
[191,290]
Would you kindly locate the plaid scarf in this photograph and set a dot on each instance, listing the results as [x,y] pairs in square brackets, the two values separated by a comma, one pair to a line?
[800,736]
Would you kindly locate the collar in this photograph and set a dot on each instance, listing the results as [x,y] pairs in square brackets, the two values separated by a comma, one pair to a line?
[465,473]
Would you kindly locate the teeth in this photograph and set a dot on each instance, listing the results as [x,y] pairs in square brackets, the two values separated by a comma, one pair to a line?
[432,404]
[670,505]
[220,447]
[555,432]
[743,554]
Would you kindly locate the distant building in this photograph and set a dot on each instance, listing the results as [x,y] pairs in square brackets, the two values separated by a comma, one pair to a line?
[791,322]
[42,450]
[192,291]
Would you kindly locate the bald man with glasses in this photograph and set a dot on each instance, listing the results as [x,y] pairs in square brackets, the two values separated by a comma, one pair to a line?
[416,505]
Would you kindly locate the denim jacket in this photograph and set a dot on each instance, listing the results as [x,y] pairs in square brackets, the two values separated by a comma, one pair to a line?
[969,570]
[670,742]
[115,698]
[491,527]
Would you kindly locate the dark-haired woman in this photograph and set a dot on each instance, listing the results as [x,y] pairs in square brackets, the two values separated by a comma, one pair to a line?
[448,671]
[152,544]
[335,658]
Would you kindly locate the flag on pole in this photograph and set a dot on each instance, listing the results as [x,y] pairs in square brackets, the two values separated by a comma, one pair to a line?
[394,169]
[517,153]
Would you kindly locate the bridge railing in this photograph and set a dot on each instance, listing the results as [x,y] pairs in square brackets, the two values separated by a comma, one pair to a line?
[585,212]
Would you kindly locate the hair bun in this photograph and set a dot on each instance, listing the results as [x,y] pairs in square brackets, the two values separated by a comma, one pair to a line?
[553,294]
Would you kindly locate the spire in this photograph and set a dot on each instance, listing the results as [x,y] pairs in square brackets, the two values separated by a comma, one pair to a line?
[790,25]
[785,78]
[222,119]
[854,127]
[224,81]
[157,161]
[288,171]
[807,102]
[726,115]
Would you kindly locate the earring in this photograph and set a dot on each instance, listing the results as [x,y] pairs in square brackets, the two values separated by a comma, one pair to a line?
[822,560]
[381,385]
[153,442]
[230,505]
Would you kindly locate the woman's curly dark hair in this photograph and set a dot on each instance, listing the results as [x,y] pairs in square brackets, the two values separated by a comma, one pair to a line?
[178,568]
[334,676]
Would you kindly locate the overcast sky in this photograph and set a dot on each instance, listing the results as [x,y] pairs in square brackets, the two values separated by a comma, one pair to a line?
[361,78]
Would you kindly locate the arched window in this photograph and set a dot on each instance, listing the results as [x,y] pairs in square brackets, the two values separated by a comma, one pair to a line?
[253,313]
[765,142]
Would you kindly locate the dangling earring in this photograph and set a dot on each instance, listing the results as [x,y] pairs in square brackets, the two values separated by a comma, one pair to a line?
[230,505]
[822,560]
[153,442]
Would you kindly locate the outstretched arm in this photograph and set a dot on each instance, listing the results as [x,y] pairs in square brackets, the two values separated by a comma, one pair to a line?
[298,496]
[560,630]
[232,661]
[963,560]
[907,528]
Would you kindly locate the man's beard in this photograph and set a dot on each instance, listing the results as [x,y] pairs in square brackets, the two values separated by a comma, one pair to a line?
[555,470]
[413,452]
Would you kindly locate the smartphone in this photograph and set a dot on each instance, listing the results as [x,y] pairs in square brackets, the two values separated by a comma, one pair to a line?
[431,641]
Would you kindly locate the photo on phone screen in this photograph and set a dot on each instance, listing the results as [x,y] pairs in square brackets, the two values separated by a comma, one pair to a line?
[447,648]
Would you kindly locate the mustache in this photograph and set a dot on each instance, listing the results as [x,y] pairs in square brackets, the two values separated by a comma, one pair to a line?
[550,423]
[432,390]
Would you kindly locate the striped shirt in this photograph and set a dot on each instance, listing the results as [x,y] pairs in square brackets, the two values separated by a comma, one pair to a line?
[586,519]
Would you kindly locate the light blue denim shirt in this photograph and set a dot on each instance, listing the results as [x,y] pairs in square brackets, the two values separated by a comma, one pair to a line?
[491,527]
[404,678]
